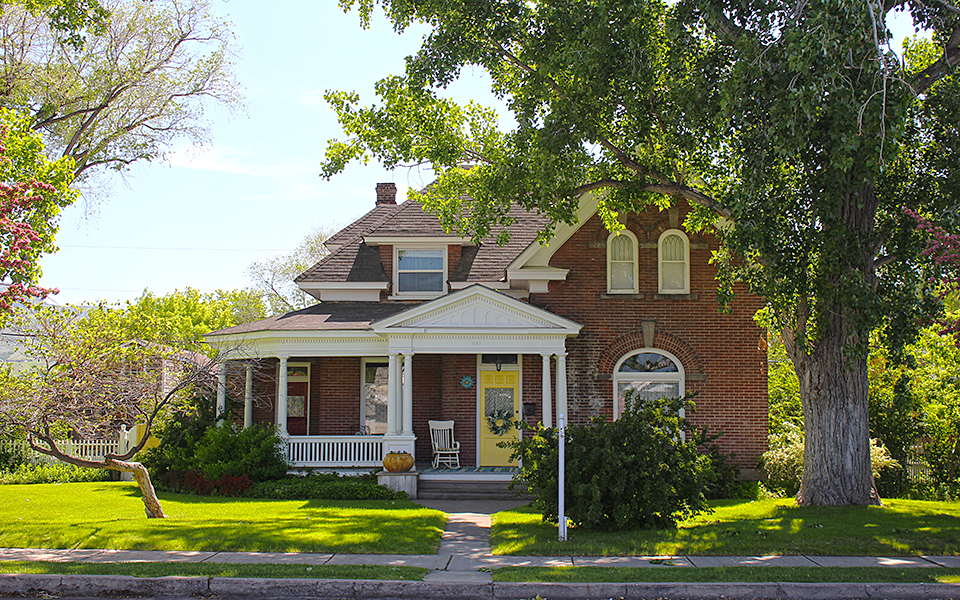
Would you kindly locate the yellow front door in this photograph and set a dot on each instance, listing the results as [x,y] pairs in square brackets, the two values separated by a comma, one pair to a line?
[499,397]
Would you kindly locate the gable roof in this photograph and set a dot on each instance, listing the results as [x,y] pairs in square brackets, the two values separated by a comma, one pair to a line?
[355,258]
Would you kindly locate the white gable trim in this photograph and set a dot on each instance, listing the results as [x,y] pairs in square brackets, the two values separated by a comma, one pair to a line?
[476,309]
[536,257]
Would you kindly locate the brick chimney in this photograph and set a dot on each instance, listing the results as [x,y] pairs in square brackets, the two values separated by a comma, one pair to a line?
[386,193]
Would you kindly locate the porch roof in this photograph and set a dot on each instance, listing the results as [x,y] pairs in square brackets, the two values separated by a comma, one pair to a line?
[326,316]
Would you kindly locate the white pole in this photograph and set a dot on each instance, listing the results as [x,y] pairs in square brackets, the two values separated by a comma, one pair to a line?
[561,512]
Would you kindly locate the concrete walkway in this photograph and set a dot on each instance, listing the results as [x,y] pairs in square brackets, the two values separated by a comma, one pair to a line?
[461,567]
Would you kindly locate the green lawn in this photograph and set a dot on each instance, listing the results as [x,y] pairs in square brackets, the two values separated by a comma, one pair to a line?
[110,515]
[731,574]
[902,527]
[171,569]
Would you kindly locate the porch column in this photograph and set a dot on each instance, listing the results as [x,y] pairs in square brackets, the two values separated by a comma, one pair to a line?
[407,394]
[392,394]
[248,398]
[282,399]
[562,387]
[221,392]
[547,405]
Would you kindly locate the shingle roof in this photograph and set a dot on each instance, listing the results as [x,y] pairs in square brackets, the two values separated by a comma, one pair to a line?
[354,261]
[330,316]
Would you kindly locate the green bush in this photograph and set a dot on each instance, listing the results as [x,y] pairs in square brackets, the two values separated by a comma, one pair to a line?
[51,473]
[635,472]
[326,486]
[179,435]
[255,452]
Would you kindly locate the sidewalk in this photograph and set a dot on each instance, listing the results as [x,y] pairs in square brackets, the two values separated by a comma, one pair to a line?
[462,569]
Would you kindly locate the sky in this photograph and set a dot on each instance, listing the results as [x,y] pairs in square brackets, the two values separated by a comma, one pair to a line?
[253,192]
[199,219]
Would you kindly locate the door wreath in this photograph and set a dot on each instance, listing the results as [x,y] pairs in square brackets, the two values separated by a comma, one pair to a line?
[500,421]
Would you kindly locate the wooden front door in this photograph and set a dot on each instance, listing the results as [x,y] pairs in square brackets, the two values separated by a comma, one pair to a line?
[499,395]
[298,407]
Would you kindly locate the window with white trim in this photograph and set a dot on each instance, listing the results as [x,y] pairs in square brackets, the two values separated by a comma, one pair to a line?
[622,272]
[673,252]
[651,374]
[420,271]
[374,386]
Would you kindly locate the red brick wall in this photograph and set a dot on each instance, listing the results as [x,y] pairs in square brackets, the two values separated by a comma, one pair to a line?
[427,400]
[460,404]
[723,355]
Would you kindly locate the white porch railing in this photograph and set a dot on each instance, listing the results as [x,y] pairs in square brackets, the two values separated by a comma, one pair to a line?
[335,451]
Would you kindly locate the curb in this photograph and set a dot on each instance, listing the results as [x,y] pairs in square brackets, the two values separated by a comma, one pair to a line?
[123,585]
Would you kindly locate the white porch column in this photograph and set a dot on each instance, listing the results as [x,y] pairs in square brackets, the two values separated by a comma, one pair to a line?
[407,427]
[248,398]
[547,404]
[221,392]
[562,385]
[392,394]
[282,398]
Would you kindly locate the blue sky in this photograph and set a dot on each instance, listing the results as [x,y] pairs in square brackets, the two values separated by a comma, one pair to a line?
[254,191]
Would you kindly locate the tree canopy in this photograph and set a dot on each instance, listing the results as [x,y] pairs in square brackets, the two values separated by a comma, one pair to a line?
[134,85]
[797,133]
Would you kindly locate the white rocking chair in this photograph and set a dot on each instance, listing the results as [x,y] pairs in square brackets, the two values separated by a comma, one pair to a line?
[445,449]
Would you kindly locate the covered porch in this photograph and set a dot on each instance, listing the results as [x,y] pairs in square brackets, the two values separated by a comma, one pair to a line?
[343,394]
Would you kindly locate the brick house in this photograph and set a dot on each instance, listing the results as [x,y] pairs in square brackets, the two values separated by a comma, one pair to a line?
[416,324]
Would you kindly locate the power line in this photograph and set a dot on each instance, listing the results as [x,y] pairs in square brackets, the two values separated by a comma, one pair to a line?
[178,249]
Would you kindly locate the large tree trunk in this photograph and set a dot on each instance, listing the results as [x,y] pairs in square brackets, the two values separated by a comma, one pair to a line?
[151,502]
[833,390]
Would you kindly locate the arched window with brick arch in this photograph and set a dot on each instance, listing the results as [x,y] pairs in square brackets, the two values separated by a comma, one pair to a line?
[622,258]
[651,373]
[673,250]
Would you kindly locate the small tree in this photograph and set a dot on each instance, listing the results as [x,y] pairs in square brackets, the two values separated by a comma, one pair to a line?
[89,379]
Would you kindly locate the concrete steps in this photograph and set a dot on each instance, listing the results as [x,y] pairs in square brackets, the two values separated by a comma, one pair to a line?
[465,490]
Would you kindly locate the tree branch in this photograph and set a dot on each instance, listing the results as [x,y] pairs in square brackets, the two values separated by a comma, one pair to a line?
[945,65]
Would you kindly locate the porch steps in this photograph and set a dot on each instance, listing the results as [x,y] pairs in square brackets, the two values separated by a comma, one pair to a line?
[461,489]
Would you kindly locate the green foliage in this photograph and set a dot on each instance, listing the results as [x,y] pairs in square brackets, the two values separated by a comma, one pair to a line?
[255,452]
[179,433]
[635,472]
[785,408]
[55,472]
[324,486]
[33,190]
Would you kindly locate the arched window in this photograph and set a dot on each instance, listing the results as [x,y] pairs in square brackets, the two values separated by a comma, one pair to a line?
[622,263]
[651,373]
[673,251]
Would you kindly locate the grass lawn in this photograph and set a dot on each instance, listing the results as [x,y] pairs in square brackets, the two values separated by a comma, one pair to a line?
[168,569]
[738,527]
[110,515]
[729,574]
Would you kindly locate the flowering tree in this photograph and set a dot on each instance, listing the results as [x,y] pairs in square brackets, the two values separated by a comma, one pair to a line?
[88,377]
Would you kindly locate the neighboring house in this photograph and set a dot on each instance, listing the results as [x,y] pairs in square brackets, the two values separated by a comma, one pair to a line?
[416,324]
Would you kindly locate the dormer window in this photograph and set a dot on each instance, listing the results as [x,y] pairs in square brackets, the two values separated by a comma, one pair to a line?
[622,263]
[420,272]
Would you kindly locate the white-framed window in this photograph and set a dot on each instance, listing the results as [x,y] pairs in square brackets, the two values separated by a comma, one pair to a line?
[420,272]
[673,254]
[374,385]
[651,374]
[622,263]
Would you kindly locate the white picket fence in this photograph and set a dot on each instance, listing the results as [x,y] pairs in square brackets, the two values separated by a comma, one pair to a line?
[85,449]
[335,451]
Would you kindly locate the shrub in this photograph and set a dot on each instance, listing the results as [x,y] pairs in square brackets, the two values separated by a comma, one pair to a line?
[56,472]
[326,486]
[179,435]
[195,482]
[255,452]
[722,472]
[635,472]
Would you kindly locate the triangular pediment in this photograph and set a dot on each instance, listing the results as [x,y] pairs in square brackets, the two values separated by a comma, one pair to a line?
[477,307]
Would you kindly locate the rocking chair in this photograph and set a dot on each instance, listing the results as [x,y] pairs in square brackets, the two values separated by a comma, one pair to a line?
[445,449]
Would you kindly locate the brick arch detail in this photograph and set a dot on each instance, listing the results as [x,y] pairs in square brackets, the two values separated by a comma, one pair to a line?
[662,340]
